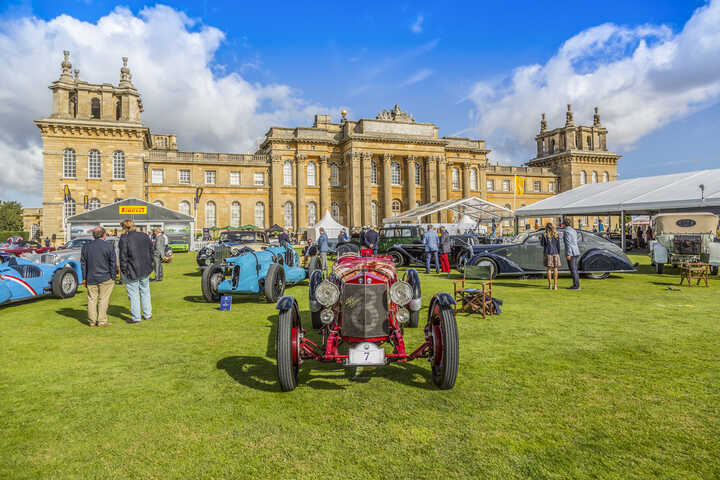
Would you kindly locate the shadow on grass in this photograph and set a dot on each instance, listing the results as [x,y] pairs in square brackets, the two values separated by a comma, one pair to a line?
[76,314]
[197,273]
[195,299]
[121,312]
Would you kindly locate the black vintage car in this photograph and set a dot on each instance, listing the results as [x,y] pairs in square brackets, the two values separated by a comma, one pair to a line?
[230,244]
[598,257]
[464,247]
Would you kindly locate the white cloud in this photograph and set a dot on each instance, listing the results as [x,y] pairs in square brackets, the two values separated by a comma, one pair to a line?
[171,58]
[641,78]
[417,26]
[418,76]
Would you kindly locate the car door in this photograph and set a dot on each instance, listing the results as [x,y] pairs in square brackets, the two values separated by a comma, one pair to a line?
[530,253]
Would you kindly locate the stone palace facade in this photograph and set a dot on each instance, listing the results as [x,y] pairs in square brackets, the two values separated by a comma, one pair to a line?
[362,171]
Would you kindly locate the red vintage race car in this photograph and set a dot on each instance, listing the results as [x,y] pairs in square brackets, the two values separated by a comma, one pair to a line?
[18,247]
[362,306]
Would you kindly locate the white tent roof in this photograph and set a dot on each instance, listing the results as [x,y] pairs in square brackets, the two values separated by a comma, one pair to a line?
[679,191]
[474,207]
[332,228]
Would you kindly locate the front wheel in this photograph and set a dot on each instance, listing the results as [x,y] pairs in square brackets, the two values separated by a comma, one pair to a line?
[288,351]
[211,278]
[659,268]
[444,346]
[274,283]
[64,283]
[398,258]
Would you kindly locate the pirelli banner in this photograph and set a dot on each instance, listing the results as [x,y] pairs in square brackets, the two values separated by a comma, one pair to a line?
[133,209]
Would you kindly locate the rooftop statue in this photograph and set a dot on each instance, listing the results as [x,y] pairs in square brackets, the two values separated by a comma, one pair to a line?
[395,115]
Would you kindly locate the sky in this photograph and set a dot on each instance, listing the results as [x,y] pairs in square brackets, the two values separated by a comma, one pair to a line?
[218,74]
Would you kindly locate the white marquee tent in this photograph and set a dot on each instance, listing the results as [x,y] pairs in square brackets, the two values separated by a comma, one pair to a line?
[332,228]
[475,208]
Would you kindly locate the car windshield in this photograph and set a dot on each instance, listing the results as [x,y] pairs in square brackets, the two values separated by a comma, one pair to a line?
[241,237]
[521,238]
[78,242]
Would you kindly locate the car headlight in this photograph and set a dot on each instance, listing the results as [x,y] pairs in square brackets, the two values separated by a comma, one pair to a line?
[327,293]
[327,316]
[403,315]
[401,292]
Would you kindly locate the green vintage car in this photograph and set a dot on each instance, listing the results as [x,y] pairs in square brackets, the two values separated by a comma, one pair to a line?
[398,234]
[179,246]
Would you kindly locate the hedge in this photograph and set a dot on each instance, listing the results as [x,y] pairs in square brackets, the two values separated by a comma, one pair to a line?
[5,234]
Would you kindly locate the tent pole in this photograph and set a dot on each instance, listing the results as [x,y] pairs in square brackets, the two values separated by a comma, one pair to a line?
[622,230]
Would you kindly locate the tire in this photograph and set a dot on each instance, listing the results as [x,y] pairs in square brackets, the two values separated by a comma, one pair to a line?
[398,258]
[462,260]
[598,275]
[414,281]
[490,262]
[659,268]
[211,278]
[274,283]
[288,351]
[414,319]
[444,346]
[64,283]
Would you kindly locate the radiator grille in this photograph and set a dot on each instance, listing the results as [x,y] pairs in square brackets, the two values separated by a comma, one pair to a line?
[364,311]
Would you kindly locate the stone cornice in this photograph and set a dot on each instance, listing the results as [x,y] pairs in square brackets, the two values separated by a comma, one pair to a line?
[62,128]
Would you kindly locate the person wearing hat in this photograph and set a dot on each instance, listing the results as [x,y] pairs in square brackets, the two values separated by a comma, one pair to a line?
[572,251]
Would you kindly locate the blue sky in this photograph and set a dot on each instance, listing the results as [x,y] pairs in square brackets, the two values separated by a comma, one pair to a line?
[460,65]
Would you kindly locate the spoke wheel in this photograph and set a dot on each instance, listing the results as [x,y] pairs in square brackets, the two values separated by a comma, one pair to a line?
[288,350]
[444,346]
[64,283]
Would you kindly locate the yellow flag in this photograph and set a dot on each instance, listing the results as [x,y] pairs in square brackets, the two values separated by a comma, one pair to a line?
[519,185]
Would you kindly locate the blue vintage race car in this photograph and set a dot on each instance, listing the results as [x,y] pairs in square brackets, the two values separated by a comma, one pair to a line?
[251,271]
[21,279]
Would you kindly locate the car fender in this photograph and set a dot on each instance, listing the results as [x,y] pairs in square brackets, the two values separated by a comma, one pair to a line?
[443,298]
[659,253]
[601,260]
[315,278]
[504,264]
[287,303]
[75,265]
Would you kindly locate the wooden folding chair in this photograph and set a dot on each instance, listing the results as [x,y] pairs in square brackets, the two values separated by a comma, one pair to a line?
[474,300]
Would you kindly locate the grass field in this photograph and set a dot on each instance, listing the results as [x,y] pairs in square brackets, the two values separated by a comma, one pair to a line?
[619,380]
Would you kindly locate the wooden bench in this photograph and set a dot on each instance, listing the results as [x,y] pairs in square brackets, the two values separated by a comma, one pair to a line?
[695,271]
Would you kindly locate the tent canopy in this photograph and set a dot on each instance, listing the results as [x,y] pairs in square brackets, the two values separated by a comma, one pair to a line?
[332,228]
[111,213]
[645,195]
[475,208]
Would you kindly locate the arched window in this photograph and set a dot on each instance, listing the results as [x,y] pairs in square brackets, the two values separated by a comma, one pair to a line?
[311,174]
[69,209]
[94,204]
[94,165]
[418,176]
[455,173]
[118,165]
[235,214]
[589,143]
[396,207]
[605,177]
[335,210]
[395,173]
[184,207]
[210,215]
[288,214]
[593,177]
[260,215]
[312,213]
[583,177]
[159,203]
[473,179]
[287,173]
[373,172]
[69,163]
[374,212]
[334,175]
[552,146]
[95,108]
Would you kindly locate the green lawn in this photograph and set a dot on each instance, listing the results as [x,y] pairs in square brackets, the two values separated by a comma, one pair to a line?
[620,380]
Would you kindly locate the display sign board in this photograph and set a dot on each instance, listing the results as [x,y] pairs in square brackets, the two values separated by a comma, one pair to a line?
[133,209]
[178,231]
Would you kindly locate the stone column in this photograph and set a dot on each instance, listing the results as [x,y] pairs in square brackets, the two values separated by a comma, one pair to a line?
[324,186]
[442,185]
[300,207]
[466,180]
[354,196]
[366,189]
[387,186]
[410,162]
[482,179]
[275,209]
[430,180]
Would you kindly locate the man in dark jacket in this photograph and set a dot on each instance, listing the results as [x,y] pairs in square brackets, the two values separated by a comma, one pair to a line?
[136,263]
[99,267]
[371,239]
[284,237]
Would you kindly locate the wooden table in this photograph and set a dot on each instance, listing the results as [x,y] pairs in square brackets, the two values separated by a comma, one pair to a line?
[693,271]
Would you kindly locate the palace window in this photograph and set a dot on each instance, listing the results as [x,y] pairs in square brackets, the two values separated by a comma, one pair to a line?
[583,177]
[93,204]
[593,177]
[491,185]
[184,177]
[395,173]
[235,214]
[373,172]
[157,175]
[287,173]
[184,207]
[418,176]
[118,165]
[288,214]
[374,213]
[335,210]
[537,186]
[334,175]
[69,163]
[312,213]
[455,173]
[552,146]
[210,177]
[396,207]
[234,178]
[551,187]
[473,179]
[94,165]
[605,177]
[95,108]
[260,215]
[259,179]
[506,185]
[589,143]
[210,215]
[311,174]
[69,209]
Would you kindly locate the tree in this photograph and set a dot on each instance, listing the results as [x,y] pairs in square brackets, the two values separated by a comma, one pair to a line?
[11,216]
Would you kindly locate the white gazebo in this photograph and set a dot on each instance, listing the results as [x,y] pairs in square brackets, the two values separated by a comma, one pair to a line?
[332,228]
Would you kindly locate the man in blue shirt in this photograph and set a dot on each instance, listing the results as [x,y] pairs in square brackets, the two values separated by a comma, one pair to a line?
[572,251]
[99,267]
[431,242]
[323,247]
